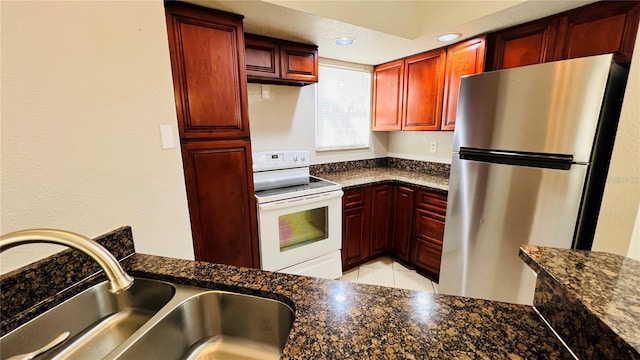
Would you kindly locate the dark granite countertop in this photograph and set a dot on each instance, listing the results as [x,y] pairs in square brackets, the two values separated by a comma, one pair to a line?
[351,174]
[333,319]
[351,178]
[590,298]
[341,320]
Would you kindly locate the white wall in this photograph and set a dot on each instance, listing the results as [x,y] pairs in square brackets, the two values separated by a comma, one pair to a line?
[634,245]
[621,197]
[85,86]
[285,119]
[415,145]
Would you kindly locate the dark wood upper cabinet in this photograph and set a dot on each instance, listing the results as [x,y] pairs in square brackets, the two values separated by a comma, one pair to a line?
[387,96]
[465,58]
[600,28]
[299,63]
[280,62]
[207,62]
[527,44]
[262,57]
[221,204]
[420,92]
[407,93]
[423,90]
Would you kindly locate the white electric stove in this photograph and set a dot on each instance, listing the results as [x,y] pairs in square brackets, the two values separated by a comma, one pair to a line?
[299,216]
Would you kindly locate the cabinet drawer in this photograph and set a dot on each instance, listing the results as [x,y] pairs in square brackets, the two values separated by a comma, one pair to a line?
[426,257]
[433,201]
[354,197]
[430,226]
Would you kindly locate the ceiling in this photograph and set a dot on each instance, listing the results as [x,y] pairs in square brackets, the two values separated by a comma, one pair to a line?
[383,30]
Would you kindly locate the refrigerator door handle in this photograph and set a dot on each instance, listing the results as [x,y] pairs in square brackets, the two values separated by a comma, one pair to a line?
[518,158]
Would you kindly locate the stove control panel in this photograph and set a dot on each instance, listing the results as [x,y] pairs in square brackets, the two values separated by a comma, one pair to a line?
[275,160]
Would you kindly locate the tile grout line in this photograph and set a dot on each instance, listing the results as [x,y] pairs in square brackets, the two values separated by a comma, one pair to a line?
[393,276]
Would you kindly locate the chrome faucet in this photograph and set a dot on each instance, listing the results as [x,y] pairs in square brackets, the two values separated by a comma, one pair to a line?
[118,278]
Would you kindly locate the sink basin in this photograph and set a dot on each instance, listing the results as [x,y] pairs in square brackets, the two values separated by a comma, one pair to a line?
[217,325]
[157,320]
[98,321]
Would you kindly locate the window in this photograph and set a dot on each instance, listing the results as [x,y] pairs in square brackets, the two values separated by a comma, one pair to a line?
[344,108]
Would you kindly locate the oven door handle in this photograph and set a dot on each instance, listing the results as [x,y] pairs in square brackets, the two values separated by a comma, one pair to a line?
[300,201]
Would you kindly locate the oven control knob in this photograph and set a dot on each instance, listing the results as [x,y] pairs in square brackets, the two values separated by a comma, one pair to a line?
[302,158]
[295,158]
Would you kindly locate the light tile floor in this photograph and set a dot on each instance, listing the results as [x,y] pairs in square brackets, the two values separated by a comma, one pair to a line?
[385,271]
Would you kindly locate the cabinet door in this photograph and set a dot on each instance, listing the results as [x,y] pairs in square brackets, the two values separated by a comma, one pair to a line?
[221,199]
[527,44]
[262,58]
[387,96]
[465,58]
[355,227]
[403,208]
[430,215]
[381,199]
[427,257]
[299,63]
[207,61]
[600,28]
[427,247]
[423,91]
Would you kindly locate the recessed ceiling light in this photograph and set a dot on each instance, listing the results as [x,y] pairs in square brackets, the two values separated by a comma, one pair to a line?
[449,37]
[344,40]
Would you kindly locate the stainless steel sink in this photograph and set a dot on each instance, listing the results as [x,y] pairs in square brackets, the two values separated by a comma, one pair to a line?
[217,325]
[98,321]
[157,320]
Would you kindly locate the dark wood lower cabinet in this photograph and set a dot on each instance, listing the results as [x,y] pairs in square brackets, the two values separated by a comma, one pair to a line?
[430,213]
[398,220]
[381,198]
[427,245]
[221,202]
[354,236]
[403,206]
[355,227]
[365,224]
[426,258]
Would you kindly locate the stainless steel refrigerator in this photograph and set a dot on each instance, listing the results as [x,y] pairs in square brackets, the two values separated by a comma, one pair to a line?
[530,157]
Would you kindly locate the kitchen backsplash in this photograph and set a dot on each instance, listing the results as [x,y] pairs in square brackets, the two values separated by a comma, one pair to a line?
[412,165]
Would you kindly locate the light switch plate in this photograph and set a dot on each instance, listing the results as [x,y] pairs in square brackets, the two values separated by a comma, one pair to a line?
[166,134]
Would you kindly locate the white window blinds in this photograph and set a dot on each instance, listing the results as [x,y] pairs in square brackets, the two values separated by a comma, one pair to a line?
[343,108]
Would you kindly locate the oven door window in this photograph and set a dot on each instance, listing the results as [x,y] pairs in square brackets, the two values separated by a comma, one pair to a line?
[303,228]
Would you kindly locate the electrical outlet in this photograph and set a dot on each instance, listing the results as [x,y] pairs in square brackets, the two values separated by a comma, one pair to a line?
[433,148]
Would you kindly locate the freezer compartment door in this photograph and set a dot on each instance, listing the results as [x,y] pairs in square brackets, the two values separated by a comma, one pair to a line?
[493,209]
[544,108]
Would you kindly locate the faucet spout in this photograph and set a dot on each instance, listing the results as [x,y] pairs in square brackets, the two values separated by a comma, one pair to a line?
[118,278]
